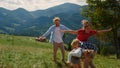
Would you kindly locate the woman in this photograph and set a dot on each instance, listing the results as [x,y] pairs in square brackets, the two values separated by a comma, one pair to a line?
[83,36]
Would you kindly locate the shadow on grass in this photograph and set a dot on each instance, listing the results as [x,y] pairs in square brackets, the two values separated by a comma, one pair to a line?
[111,58]
[59,64]
[46,65]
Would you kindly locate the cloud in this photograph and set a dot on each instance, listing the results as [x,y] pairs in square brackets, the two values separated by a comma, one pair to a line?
[81,0]
[35,4]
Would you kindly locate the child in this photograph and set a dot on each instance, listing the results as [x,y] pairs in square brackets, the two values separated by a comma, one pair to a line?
[75,54]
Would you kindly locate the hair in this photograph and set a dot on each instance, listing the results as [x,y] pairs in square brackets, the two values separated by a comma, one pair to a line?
[75,42]
[56,18]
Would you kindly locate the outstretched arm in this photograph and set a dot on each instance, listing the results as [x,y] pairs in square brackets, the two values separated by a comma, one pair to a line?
[69,31]
[102,31]
[48,31]
[45,34]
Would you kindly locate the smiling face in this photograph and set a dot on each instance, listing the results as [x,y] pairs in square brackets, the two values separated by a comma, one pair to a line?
[86,24]
[87,28]
[57,22]
[75,43]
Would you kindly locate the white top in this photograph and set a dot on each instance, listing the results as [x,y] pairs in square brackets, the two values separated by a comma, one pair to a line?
[57,35]
[78,51]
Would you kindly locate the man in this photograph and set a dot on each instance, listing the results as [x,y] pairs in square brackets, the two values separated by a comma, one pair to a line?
[56,37]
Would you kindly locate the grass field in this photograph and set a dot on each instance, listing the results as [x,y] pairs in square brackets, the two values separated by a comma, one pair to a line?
[25,52]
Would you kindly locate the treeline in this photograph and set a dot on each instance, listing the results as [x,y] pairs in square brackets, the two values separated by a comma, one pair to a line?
[105,14]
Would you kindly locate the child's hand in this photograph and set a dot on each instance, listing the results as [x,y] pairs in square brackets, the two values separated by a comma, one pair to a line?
[68,62]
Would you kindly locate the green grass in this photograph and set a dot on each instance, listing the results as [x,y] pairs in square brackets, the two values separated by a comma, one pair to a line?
[25,52]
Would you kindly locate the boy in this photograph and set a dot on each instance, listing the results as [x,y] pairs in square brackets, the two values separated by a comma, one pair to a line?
[75,54]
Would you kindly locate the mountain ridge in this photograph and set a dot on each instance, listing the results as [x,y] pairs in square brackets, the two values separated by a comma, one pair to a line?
[24,22]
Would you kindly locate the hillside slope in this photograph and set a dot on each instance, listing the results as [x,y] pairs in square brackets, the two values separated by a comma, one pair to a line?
[25,52]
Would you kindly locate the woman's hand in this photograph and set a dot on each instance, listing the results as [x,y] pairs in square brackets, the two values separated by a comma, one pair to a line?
[62,30]
[69,31]
[109,29]
[102,31]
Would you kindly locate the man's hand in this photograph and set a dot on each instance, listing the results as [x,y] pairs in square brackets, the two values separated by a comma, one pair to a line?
[41,39]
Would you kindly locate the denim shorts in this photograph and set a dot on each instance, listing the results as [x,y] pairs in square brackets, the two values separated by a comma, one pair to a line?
[75,60]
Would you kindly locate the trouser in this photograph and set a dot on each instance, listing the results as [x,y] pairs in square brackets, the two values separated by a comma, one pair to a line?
[55,48]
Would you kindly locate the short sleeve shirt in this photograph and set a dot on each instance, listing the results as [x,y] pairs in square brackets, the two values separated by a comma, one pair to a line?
[82,36]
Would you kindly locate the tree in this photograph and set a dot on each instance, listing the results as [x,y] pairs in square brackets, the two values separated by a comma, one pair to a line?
[104,14]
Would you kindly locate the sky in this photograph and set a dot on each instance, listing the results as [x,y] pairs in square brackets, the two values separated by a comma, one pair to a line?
[32,5]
